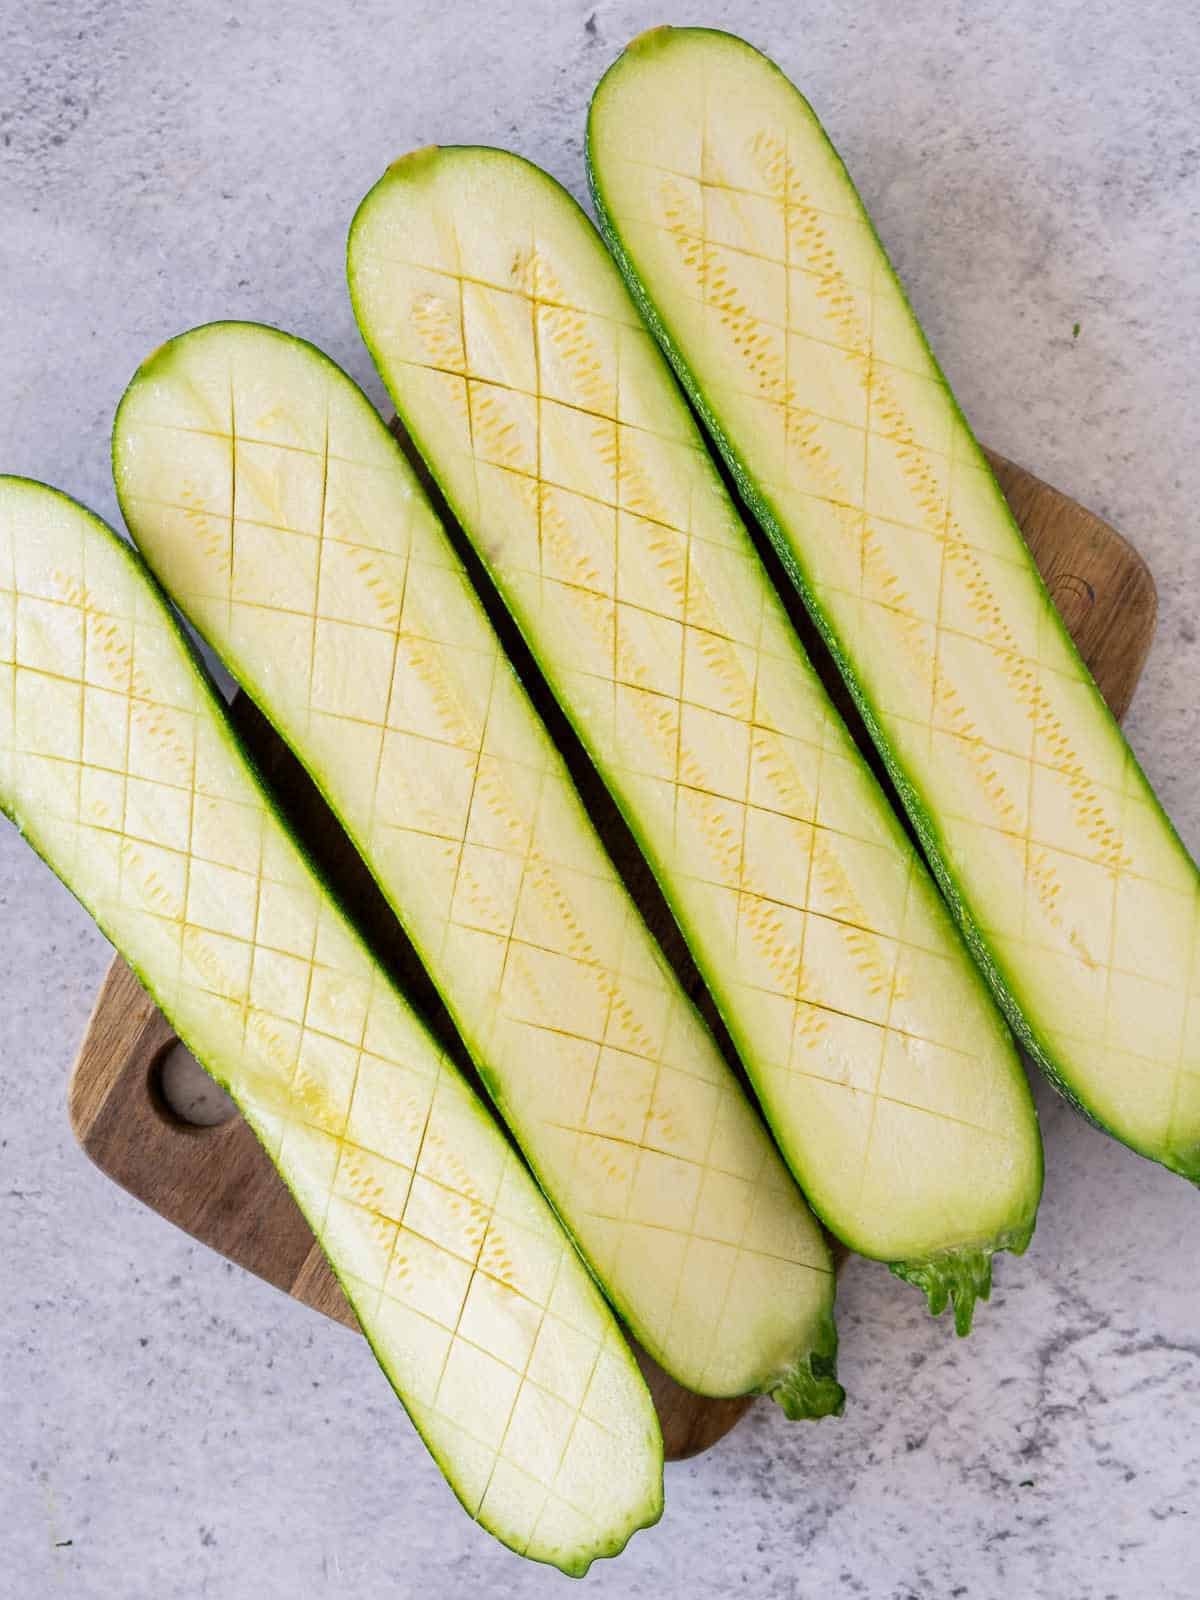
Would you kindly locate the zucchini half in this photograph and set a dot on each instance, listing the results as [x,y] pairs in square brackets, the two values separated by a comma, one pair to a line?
[521,369]
[277,509]
[120,767]
[751,256]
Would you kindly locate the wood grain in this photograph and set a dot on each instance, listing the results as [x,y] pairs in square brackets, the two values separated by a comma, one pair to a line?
[219,1185]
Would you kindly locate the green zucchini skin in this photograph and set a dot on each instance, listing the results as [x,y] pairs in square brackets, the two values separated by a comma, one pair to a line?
[960,1273]
[247,1077]
[787,536]
[781,1342]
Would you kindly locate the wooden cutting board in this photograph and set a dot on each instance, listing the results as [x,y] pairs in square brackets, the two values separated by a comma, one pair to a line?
[217,1183]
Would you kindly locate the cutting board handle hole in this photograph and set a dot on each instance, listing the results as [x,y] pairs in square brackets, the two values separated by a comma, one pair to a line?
[1074,596]
[183,1094]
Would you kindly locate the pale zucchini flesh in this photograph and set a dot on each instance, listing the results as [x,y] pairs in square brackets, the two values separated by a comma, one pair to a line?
[270,499]
[521,368]
[119,766]
[750,253]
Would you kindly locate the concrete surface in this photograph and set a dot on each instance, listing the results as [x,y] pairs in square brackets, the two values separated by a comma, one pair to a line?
[169,1427]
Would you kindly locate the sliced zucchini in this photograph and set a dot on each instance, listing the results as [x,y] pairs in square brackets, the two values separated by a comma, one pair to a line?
[520,367]
[119,766]
[275,506]
[750,253]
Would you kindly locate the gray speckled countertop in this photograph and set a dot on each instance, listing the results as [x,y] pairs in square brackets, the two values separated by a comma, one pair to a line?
[169,1427]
